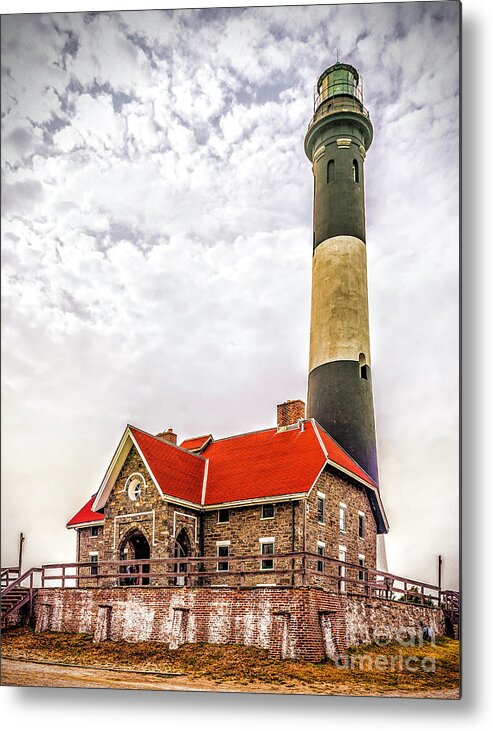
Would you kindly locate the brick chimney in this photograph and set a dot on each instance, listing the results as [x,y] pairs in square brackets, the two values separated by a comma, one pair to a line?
[168,436]
[289,412]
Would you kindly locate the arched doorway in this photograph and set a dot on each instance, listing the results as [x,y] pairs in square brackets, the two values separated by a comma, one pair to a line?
[183,548]
[134,547]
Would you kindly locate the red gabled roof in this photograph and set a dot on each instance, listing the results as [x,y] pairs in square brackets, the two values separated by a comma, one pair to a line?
[86,515]
[262,464]
[177,472]
[338,455]
[246,467]
[196,443]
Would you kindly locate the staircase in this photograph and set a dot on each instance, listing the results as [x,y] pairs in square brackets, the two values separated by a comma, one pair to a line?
[14,600]
[451,610]
[17,591]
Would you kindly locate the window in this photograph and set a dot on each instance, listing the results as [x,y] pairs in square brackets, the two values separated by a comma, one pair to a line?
[134,486]
[93,558]
[363,368]
[331,168]
[223,516]
[321,507]
[268,511]
[342,569]
[223,553]
[355,171]
[361,572]
[361,524]
[267,549]
[321,552]
[94,531]
[342,518]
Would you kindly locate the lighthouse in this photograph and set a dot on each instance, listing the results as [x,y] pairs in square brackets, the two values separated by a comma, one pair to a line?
[340,393]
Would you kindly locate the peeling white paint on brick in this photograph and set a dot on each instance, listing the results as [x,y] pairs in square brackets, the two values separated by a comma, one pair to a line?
[329,645]
[248,627]
[137,623]
[219,624]
[86,613]
[264,619]
[256,617]
[191,628]
[366,620]
[57,615]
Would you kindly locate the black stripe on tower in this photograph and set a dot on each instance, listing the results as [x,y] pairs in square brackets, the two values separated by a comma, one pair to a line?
[340,399]
[339,208]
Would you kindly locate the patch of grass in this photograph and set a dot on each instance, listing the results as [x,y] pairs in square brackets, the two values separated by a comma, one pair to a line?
[369,669]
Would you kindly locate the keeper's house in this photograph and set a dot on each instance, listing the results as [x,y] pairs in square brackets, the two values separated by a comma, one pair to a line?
[282,490]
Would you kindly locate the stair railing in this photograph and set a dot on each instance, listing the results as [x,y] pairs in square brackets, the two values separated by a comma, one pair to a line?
[8,574]
[18,584]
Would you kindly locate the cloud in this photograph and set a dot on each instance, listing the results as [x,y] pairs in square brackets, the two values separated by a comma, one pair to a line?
[157,241]
[21,196]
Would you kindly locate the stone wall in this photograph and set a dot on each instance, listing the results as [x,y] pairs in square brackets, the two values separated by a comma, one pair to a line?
[308,624]
[147,514]
[367,620]
[294,527]
[88,544]
[245,530]
[337,490]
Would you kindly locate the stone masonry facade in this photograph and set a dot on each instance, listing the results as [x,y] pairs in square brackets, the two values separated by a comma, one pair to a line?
[311,523]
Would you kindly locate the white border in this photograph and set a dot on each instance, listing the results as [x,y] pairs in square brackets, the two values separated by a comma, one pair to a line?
[134,515]
[185,515]
[126,486]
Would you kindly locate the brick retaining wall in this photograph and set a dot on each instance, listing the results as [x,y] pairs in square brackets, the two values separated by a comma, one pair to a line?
[308,624]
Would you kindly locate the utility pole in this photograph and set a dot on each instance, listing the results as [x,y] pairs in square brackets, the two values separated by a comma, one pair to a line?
[21,541]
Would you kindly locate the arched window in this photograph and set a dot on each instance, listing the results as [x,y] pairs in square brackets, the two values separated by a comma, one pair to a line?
[330,171]
[183,548]
[363,368]
[355,171]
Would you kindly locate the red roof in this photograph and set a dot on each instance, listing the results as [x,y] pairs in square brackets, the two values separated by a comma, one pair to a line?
[196,443]
[338,455]
[246,467]
[177,472]
[270,463]
[86,515]
[262,464]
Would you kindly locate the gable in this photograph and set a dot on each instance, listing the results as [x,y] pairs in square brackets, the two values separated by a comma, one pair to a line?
[178,473]
[196,444]
[122,498]
[174,472]
[86,516]
[338,458]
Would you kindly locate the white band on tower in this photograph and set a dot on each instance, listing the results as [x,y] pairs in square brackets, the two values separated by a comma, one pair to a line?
[339,316]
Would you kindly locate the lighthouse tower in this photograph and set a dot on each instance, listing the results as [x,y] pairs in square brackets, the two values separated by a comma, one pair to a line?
[339,384]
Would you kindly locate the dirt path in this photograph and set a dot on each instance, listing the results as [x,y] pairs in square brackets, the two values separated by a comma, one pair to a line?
[19,672]
[22,673]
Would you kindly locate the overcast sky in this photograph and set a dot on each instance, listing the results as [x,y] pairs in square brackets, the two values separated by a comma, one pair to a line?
[156,232]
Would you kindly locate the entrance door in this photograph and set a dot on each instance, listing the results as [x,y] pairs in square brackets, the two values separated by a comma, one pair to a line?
[183,548]
[134,547]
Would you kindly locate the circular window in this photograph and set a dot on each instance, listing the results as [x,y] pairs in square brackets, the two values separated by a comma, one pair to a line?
[135,486]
